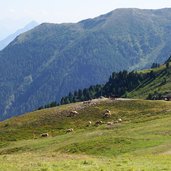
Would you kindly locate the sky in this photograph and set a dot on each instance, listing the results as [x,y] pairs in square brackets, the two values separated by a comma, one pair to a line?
[15,14]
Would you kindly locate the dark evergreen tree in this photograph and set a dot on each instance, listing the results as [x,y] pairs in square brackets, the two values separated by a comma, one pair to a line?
[155,65]
[167,65]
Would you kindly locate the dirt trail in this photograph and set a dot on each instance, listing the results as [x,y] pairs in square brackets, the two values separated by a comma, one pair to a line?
[82,105]
[167,152]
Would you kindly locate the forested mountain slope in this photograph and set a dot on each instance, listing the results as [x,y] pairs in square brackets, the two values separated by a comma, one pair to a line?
[44,64]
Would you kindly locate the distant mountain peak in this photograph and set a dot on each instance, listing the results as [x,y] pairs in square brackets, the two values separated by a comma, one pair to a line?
[30,25]
[65,57]
[10,38]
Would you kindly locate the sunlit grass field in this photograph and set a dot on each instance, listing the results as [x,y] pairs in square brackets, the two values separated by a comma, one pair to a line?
[142,141]
[160,84]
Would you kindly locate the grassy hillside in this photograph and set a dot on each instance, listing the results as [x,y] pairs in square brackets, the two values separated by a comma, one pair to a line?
[160,84]
[140,142]
[151,84]
[37,67]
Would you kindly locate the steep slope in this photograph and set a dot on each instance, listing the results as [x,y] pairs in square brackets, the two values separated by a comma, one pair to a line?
[10,38]
[157,87]
[47,62]
[140,142]
[153,84]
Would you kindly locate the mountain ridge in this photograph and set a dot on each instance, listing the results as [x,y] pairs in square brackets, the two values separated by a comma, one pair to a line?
[51,60]
[11,37]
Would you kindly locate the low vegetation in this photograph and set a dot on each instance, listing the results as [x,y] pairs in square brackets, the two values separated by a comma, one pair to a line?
[158,88]
[140,141]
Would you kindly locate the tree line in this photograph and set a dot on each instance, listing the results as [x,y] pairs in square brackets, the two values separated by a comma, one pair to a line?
[118,85]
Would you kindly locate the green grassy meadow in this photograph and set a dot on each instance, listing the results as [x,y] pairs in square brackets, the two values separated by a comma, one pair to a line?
[141,142]
[160,84]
